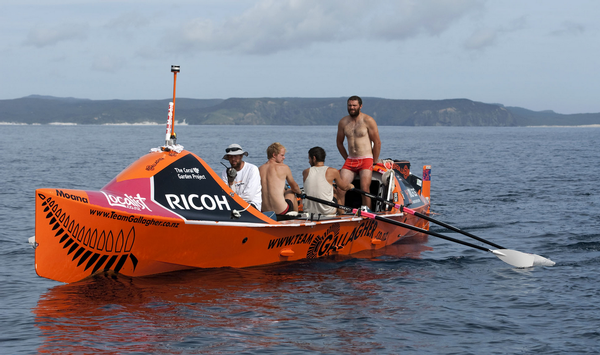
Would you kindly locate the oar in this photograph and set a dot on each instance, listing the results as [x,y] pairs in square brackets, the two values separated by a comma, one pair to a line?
[427,218]
[512,257]
[534,259]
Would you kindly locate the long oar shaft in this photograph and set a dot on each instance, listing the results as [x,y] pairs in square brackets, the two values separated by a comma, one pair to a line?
[452,228]
[511,257]
[427,218]
[420,230]
[400,224]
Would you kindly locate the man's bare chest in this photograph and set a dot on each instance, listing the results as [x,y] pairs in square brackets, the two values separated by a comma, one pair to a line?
[356,130]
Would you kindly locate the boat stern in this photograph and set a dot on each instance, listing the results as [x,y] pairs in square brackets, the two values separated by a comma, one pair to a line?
[56,233]
[75,238]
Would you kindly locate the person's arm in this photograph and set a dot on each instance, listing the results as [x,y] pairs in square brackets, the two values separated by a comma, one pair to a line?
[290,180]
[340,139]
[374,137]
[305,174]
[341,184]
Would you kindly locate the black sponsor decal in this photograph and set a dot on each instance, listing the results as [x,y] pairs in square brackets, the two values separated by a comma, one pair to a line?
[153,165]
[303,238]
[61,193]
[187,188]
[331,240]
[133,218]
[382,236]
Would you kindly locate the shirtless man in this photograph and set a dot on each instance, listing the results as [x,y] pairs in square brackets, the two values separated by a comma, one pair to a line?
[274,173]
[364,146]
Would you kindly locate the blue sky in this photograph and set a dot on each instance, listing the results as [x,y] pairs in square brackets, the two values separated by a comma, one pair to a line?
[534,54]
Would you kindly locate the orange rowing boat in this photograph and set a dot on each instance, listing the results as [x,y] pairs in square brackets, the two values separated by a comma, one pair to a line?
[170,211]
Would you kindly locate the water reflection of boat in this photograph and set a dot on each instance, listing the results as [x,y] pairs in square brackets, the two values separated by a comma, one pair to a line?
[177,312]
[170,211]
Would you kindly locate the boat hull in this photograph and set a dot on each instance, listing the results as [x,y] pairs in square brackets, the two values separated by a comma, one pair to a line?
[76,240]
[170,211]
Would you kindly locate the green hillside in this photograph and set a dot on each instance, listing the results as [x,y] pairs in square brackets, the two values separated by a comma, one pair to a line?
[279,111]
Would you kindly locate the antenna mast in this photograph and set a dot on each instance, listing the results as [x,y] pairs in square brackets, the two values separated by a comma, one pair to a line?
[171,137]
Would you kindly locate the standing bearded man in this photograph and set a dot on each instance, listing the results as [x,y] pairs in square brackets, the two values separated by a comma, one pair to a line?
[364,146]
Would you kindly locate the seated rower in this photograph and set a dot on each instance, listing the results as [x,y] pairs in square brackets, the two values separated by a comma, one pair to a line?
[274,174]
[318,182]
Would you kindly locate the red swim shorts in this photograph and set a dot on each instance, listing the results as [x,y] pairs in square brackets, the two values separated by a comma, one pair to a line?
[357,164]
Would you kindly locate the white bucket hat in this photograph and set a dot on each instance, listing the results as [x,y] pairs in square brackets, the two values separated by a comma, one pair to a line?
[234,149]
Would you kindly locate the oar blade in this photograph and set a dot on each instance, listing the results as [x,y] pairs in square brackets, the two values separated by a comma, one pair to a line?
[541,261]
[522,260]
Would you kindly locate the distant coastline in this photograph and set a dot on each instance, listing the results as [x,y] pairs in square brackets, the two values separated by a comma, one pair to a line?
[47,110]
[104,124]
[574,126]
[159,124]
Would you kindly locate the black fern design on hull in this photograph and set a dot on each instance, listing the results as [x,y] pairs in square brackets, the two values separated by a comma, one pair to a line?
[96,249]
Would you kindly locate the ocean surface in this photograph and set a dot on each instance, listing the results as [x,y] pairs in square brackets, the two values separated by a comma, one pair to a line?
[530,189]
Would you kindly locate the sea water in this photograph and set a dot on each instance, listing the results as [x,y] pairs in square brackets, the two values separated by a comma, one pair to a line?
[529,189]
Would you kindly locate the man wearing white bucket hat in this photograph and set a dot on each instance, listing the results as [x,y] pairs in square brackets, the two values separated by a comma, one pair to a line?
[242,177]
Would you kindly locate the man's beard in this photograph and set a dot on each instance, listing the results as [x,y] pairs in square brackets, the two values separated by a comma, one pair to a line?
[356,113]
[237,165]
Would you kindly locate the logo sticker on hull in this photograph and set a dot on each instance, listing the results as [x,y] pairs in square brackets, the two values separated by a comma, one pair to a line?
[61,193]
[331,240]
[186,188]
[199,203]
[126,201]
[189,173]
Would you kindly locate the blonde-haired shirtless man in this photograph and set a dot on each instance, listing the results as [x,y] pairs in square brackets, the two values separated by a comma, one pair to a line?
[273,174]
[364,146]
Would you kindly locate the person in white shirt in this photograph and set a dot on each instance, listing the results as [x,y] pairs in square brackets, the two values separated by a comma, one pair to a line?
[242,177]
[318,182]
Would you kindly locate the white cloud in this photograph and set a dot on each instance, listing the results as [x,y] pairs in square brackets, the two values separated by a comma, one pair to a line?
[106,63]
[517,24]
[569,28]
[278,25]
[51,35]
[128,20]
[487,37]
[481,39]
[404,19]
